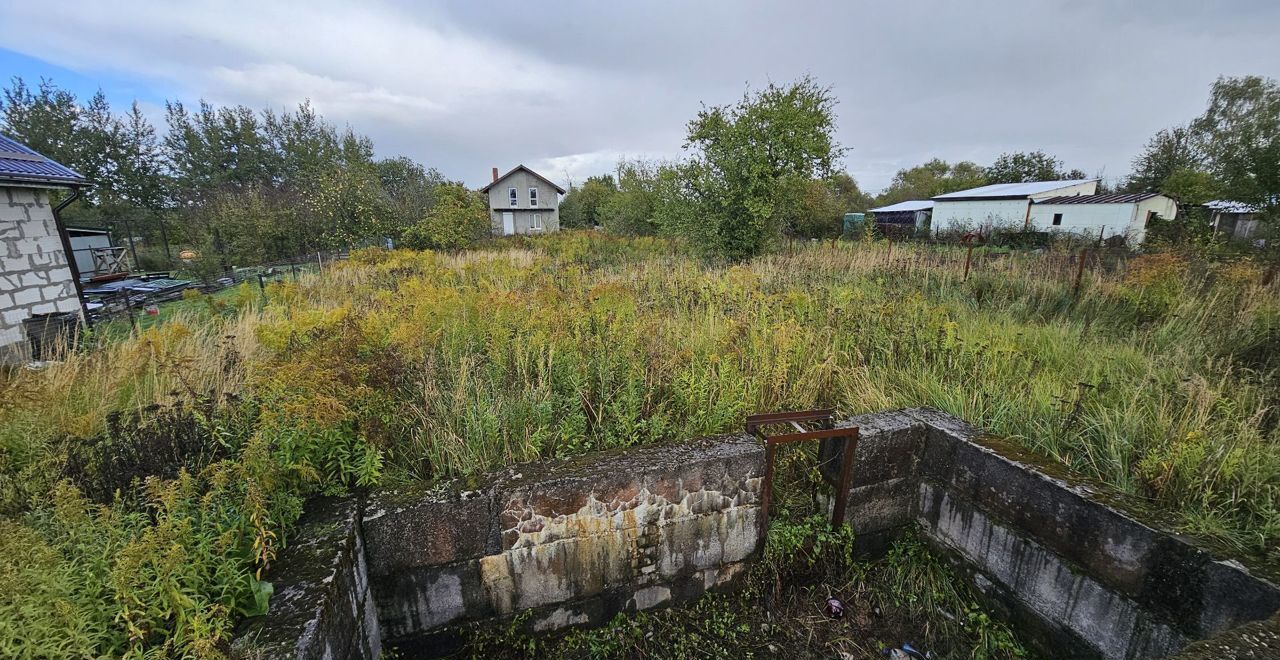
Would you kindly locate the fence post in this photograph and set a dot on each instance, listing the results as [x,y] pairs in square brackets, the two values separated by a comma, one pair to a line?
[320,263]
[967,256]
[1075,289]
[128,307]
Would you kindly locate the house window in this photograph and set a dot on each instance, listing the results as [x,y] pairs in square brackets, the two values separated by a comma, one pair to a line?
[533,197]
[537,221]
[1151,215]
[515,200]
[1057,219]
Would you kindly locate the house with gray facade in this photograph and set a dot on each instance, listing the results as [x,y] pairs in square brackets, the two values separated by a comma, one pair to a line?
[35,275]
[523,202]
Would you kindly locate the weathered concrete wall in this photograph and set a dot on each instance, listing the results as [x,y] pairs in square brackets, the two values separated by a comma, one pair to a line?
[1065,562]
[1259,640]
[34,275]
[322,607]
[575,542]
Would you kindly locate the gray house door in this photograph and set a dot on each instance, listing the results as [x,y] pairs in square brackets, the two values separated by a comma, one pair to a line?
[508,223]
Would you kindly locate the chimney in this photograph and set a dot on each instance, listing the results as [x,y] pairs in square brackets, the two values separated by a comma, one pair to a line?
[495,175]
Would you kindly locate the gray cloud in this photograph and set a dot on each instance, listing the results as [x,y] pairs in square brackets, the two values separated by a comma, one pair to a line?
[570,87]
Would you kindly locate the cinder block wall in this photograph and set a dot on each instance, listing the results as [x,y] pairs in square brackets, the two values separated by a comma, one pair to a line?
[34,275]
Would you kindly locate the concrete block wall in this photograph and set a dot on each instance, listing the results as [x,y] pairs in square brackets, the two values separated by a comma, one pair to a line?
[1078,574]
[322,607]
[574,542]
[34,275]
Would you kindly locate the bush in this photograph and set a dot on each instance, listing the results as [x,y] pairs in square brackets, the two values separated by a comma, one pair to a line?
[459,218]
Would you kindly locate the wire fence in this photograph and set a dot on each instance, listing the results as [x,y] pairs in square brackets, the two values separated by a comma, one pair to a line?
[135,298]
[127,302]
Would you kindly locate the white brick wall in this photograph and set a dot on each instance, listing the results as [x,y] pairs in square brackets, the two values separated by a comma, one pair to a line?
[26,297]
[34,277]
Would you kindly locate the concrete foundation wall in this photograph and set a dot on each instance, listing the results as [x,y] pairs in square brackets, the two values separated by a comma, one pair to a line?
[576,542]
[322,607]
[34,275]
[1067,564]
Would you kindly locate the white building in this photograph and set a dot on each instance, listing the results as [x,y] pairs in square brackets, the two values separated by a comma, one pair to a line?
[1000,204]
[35,276]
[1102,216]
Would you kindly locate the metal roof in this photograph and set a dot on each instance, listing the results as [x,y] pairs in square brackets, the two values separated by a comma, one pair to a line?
[20,164]
[1011,190]
[909,205]
[517,168]
[1113,198]
[1228,206]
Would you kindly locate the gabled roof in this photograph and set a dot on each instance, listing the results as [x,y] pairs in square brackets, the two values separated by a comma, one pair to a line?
[517,169]
[21,164]
[1112,198]
[909,205]
[1011,190]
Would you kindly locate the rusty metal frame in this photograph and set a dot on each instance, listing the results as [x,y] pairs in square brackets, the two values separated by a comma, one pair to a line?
[825,418]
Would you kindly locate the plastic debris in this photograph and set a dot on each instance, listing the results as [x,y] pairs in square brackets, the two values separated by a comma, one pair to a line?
[834,608]
[906,652]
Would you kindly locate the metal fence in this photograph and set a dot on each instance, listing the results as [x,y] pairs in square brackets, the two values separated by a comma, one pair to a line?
[143,295]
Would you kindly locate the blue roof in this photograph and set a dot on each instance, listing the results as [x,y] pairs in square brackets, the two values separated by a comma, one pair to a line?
[20,164]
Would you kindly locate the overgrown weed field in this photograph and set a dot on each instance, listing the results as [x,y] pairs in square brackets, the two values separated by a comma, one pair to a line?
[146,485]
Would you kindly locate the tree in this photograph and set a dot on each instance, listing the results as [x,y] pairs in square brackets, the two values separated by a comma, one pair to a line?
[1171,150]
[44,120]
[581,207]
[1239,134]
[410,190]
[931,179]
[636,207]
[747,158]
[818,210]
[1190,187]
[459,217]
[848,194]
[1021,167]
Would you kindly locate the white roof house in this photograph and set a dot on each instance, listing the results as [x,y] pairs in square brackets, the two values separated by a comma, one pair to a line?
[1102,216]
[1000,204]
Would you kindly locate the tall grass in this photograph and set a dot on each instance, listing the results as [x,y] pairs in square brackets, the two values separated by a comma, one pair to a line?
[396,366]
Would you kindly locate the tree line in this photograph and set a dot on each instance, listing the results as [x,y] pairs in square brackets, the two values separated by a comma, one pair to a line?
[244,186]
[239,186]
[764,168]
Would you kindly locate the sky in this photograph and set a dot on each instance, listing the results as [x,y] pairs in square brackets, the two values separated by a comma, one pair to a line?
[568,88]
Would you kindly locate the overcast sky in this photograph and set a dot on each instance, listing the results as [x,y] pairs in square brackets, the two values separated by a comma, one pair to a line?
[569,87]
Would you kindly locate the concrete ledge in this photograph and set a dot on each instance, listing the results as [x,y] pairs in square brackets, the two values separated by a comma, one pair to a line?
[322,607]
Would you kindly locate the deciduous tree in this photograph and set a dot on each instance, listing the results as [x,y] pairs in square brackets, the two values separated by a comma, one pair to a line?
[1021,167]
[748,157]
